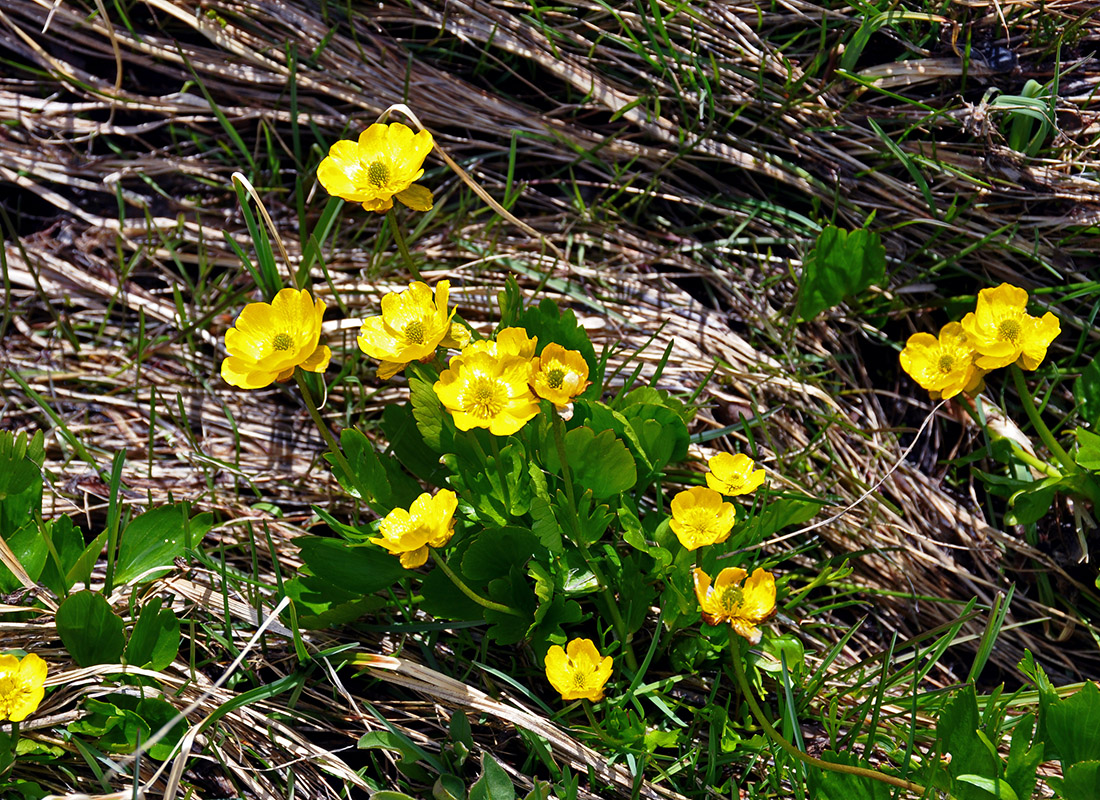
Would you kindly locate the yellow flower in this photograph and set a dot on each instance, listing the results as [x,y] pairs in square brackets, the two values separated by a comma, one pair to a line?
[21,686]
[559,375]
[578,672]
[486,391]
[385,163]
[509,342]
[429,522]
[700,517]
[744,607]
[271,339]
[1002,332]
[943,366]
[412,325]
[733,474]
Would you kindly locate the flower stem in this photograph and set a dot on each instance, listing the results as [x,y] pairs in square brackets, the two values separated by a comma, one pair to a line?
[500,473]
[466,590]
[330,440]
[403,248]
[558,426]
[1037,421]
[777,737]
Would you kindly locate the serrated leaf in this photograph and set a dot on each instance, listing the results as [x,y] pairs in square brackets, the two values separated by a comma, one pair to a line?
[829,785]
[1082,781]
[427,411]
[68,544]
[550,324]
[841,264]
[1073,725]
[598,462]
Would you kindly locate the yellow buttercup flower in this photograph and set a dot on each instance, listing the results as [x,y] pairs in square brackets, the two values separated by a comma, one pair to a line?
[429,522]
[486,391]
[1002,332]
[700,517]
[733,474]
[578,672]
[743,606]
[559,375]
[21,686]
[385,163]
[271,339]
[944,366]
[509,342]
[412,325]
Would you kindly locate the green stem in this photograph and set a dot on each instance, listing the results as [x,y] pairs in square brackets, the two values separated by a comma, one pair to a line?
[1047,469]
[777,737]
[14,744]
[466,590]
[1037,421]
[403,248]
[558,426]
[330,440]
[587,706]
[500,473]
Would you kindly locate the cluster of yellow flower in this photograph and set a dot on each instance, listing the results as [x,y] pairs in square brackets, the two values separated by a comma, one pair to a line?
[701,517]
[997,333]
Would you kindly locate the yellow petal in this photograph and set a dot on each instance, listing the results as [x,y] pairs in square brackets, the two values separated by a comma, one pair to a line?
[245,374]
[318,361]
[416,197]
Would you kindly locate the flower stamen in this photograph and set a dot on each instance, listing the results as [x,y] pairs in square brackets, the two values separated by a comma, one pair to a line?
[1008,330]
[414,332]
[378,174]
[282,341]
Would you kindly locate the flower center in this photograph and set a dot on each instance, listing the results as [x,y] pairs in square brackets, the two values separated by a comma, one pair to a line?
[555,377]
[378,174]
[731,598]
[282,341]
[946,363]
[485,398]
[580,680]
[414,332]
[1008,330]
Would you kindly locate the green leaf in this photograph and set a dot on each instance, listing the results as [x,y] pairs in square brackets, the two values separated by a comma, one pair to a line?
[1086,391]
[841,264]
[120,722]
[1030,505]
[90,630]
[1088,450]
[68,543]
[359,570]
[157,538]
[828,785]
[996,787]
[957,732]
[81,571]
[598,462]
[20,480]
[1024,758]
[550,324]
[320,604]
[30,550]
[387,484]
[406,442]
[496,551]
[428,412]
[1082,781]
[1073,725]
[494,783]
[155,640]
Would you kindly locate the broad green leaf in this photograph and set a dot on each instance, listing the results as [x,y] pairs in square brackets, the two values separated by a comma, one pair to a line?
[90,630]
[496,551]
[1088,450]
[157,538]
[841,264]
[1073,725]
[404,438]
[388,485]
[1086,391]
[995,787]
[494,783]
[155,640]
[598,462]
[1030,505]
[958,733]
[1024,758]
[427,411]
[358,570]
[320,604]
[1082,781]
